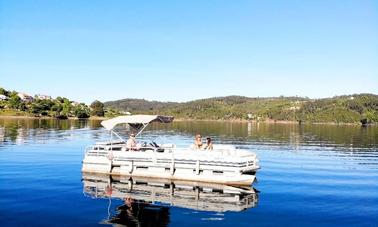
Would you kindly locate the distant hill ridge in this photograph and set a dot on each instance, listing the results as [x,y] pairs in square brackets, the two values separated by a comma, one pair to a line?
[138,104]
[338,109]
[130,104]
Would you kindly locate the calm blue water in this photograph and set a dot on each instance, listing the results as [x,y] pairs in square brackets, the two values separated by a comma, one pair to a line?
[311,175]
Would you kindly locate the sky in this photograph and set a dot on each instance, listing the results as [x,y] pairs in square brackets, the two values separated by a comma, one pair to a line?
[186,50]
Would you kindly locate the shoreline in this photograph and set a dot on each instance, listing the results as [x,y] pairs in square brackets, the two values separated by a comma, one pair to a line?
[195,120]
[49,118]
[271,122]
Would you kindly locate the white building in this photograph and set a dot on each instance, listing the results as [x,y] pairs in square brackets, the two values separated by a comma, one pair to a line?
[43,97]
[3,97]
[73,103]
[25,97]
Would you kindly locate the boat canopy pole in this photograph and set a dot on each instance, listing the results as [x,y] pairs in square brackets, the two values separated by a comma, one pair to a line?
[111,131]
[140,131]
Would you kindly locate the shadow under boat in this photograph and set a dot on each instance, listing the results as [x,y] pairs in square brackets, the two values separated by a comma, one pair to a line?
[164,193]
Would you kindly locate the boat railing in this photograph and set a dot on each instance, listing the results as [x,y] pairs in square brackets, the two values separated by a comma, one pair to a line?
[99,150]
[95,152]
[88,148]
[219,151]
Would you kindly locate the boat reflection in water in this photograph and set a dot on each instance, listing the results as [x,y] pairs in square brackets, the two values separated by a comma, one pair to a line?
[147,201]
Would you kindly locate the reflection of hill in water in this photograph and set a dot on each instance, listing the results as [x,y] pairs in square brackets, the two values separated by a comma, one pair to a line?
[150,199]
[20,130]
[340,135]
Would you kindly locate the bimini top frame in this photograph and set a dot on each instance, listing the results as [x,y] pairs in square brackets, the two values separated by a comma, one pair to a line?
[137,122]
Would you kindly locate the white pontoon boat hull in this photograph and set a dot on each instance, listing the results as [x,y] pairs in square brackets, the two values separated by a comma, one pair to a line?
[223,165]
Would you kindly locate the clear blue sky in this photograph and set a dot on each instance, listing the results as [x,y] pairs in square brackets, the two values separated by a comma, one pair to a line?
[184,50]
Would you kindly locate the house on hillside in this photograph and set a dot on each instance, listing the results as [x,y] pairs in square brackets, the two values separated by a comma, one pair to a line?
[25,97]
[3,97]
[43,97]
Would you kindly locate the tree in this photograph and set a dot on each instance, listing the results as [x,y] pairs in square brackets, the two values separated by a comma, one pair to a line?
[14,102]
[81,111]
[59,99]
[3,104]
[4,92]
[41,107]
[97,108]
[66,110]
[35,108]
[57,107]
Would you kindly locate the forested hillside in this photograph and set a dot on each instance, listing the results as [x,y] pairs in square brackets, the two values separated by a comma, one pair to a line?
[357,108]
[138,105]
[340,109]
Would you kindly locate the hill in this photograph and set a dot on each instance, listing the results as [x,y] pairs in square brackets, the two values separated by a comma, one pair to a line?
[138,105]
[339,109]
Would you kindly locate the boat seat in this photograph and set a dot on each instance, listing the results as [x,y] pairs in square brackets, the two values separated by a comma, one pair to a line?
[147,149]
[160,150]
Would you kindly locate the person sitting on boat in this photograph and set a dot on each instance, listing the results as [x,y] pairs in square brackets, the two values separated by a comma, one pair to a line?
[132,144]
[209,144]
[198,142]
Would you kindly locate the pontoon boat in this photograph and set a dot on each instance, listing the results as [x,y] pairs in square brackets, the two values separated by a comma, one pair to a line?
[223,165]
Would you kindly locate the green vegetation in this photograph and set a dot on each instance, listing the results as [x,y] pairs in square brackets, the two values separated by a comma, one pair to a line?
[341,109]
[139,105]
[358,108]
[12,104]
[97,108]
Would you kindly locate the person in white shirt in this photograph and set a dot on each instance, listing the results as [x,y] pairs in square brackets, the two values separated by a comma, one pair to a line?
[198,142]
[132,144]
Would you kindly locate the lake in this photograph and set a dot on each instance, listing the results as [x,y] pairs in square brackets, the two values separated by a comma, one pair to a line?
[310,175]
